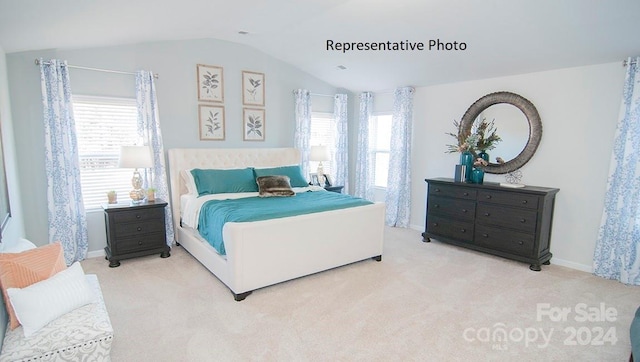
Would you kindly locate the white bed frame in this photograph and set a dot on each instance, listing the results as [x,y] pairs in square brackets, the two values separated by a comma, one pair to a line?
[264,253]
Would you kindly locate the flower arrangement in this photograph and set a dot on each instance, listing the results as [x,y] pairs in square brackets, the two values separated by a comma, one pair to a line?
[465,142]
[482,138]
[487,137]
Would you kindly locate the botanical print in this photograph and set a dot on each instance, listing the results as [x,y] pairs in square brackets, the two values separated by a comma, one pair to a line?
[254,123]
[211,122]
[210,83]
[252,88]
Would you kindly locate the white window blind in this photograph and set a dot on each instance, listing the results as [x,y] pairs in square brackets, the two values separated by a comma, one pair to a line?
[102,126]
[323,132]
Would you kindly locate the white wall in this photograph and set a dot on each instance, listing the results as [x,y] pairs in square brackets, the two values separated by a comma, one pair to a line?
[15,226]
[175,62]
[579,109]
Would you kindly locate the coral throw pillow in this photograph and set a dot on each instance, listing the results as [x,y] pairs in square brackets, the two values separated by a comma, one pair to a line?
[20,270]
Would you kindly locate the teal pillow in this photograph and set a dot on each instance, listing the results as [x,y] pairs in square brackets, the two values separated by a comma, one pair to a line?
[213,181]
[294,173]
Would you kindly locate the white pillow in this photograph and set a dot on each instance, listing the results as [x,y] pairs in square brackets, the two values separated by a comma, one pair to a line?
[40,303]
[189,182]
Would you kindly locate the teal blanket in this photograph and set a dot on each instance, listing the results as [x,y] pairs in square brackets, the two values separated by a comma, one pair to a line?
[215,213]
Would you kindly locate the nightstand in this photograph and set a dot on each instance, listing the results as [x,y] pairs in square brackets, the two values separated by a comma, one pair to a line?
[337,189]
[135,230]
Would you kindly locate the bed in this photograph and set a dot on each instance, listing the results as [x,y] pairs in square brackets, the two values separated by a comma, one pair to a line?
[267,252]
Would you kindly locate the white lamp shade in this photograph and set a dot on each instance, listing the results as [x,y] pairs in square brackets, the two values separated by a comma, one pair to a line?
[319,153]
[135,157]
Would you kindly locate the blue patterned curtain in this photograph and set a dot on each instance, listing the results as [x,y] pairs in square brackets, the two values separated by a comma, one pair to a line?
[149,131]
[364,162]
[617,253]
[67,218]
[342,144]
[398,196]
[302,134]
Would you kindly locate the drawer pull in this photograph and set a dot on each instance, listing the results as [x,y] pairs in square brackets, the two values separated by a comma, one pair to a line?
[138,216]
[485,235]
[436,206]
[487,214]
[523,221]
[436,189]
[466,194]
[139,228]
[465,210]
[139,242]
[520,242]
[488,197]
[435,224]
[524,202]
[463,230]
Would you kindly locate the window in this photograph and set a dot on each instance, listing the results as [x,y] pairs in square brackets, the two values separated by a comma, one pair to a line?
[380,143]
[323,132]
[102,126]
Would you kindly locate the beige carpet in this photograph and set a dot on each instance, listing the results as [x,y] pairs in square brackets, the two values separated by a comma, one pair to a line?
[424,301]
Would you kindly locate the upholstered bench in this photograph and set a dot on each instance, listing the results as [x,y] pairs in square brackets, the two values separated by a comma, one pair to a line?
[84,334]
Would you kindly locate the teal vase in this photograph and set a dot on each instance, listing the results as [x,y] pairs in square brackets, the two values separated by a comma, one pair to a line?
[477,176]
[466,158]
[483,155]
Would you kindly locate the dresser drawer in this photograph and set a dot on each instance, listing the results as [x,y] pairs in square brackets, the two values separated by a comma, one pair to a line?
[453,229]
[519,219]
[505,240]
[137,215]
[143,242]
[139,228]
[453,191]
[509,198]
[461,209]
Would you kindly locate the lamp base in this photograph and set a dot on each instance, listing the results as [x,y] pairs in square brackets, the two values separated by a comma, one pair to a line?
[136,195]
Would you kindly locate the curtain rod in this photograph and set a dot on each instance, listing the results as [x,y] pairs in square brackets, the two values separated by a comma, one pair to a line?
[626,62]
[96,69]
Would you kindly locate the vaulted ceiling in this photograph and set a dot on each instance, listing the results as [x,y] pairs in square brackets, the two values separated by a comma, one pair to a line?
[502,37]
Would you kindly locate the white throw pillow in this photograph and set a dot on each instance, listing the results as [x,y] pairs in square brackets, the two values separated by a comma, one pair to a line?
[40,303]
[189,182]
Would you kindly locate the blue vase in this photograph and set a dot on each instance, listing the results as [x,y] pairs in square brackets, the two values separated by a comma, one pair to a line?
[466,158]
[477,176]
[483,155]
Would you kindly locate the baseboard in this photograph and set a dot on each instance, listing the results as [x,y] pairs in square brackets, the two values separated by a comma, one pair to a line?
[554,260]
[572,265]
[96,254]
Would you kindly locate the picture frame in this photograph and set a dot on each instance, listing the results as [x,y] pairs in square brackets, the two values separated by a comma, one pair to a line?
[210,83]
[327,180]
[313,179]
[253,88]
[253,124]
[211,122]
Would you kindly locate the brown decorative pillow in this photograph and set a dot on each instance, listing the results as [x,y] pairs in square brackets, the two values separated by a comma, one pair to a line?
[269,186]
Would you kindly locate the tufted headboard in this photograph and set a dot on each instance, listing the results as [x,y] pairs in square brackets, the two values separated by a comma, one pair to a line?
[188,158]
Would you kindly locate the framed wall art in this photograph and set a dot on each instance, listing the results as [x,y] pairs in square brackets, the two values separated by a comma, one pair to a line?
[252,88]
[253,120]
[210,83]
[211,120]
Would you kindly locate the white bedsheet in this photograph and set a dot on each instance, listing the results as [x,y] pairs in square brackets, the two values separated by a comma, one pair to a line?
[191,203]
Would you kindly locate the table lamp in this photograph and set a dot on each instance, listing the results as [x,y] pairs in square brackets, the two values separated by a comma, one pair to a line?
[135,157]
[319,154]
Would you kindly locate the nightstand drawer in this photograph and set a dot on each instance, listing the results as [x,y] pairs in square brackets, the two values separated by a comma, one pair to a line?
[458,230]
[461,209]
[138,215]
[452,191]
[139,228]
[149,241]
[518,219]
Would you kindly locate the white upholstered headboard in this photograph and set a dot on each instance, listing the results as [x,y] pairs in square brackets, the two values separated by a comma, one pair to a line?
[207,158]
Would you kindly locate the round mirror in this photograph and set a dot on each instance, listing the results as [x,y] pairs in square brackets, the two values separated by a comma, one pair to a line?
[517,122]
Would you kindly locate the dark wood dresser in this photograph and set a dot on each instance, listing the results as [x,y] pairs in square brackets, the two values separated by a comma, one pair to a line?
[135,230]
[514,223]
